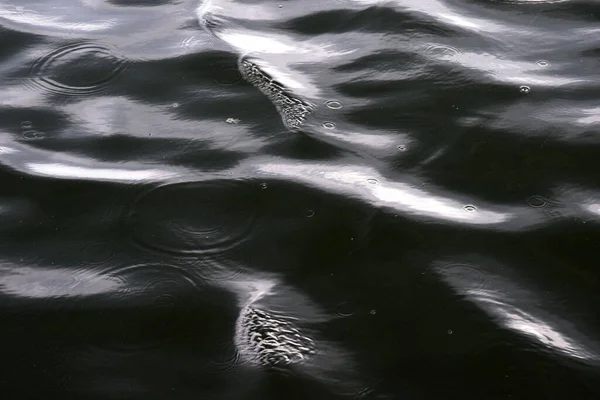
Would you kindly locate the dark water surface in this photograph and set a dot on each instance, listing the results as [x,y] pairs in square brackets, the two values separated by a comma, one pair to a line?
[300,199]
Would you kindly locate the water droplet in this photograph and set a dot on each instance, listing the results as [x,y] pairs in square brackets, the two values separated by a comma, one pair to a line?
[333,104]
[542,63]
[402,147]
[263,185]
[98,66]
[449,331]
[373,312]
[328,125]
[26,124]
[175,105]
[373,181]
[193,217]
[469,208]
[310,213]
[524,89]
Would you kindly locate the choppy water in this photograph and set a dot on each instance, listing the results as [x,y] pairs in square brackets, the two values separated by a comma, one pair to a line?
[300,199]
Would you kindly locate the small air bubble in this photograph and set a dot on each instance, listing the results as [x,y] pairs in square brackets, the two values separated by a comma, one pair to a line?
[449,331]
[373,312]
[232,121]
[542,63]
[328,125]
[524,89]
[373,181]
[263,185]
[175,105]
[469,208]
[310,213]
[402,147]
[26,124]
[333,104]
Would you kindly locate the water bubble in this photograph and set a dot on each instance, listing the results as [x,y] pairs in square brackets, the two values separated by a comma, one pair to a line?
[33,135]
[193,217]
[263,185]
[449,331]
[26,124]
[524,89]
[537,201]
[175,105]
[77,69]
[328,125]
[469,208]
[373,181]
[542,63]
[401,147]
[234,121]
[333,104]
[373,312]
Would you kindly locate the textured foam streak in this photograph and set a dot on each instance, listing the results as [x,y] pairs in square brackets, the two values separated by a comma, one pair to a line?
[270,340]
[293,110]
[263,337]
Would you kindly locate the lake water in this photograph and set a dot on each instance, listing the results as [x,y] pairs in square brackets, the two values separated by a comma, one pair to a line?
[300,199]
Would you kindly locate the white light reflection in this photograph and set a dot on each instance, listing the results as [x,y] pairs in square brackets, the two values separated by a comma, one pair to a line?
[528,324]
[441,12]
[518,309]
[38,283]
[20,15]
[106,174]
[400,196]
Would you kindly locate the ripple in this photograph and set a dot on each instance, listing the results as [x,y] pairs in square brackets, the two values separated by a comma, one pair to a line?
[442,51]
[550,208]
[152,287]
[464,278]
[333,104]
[77,69]
[193,217]
[227,360]
[32,134]
[96,253]
[345,310]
